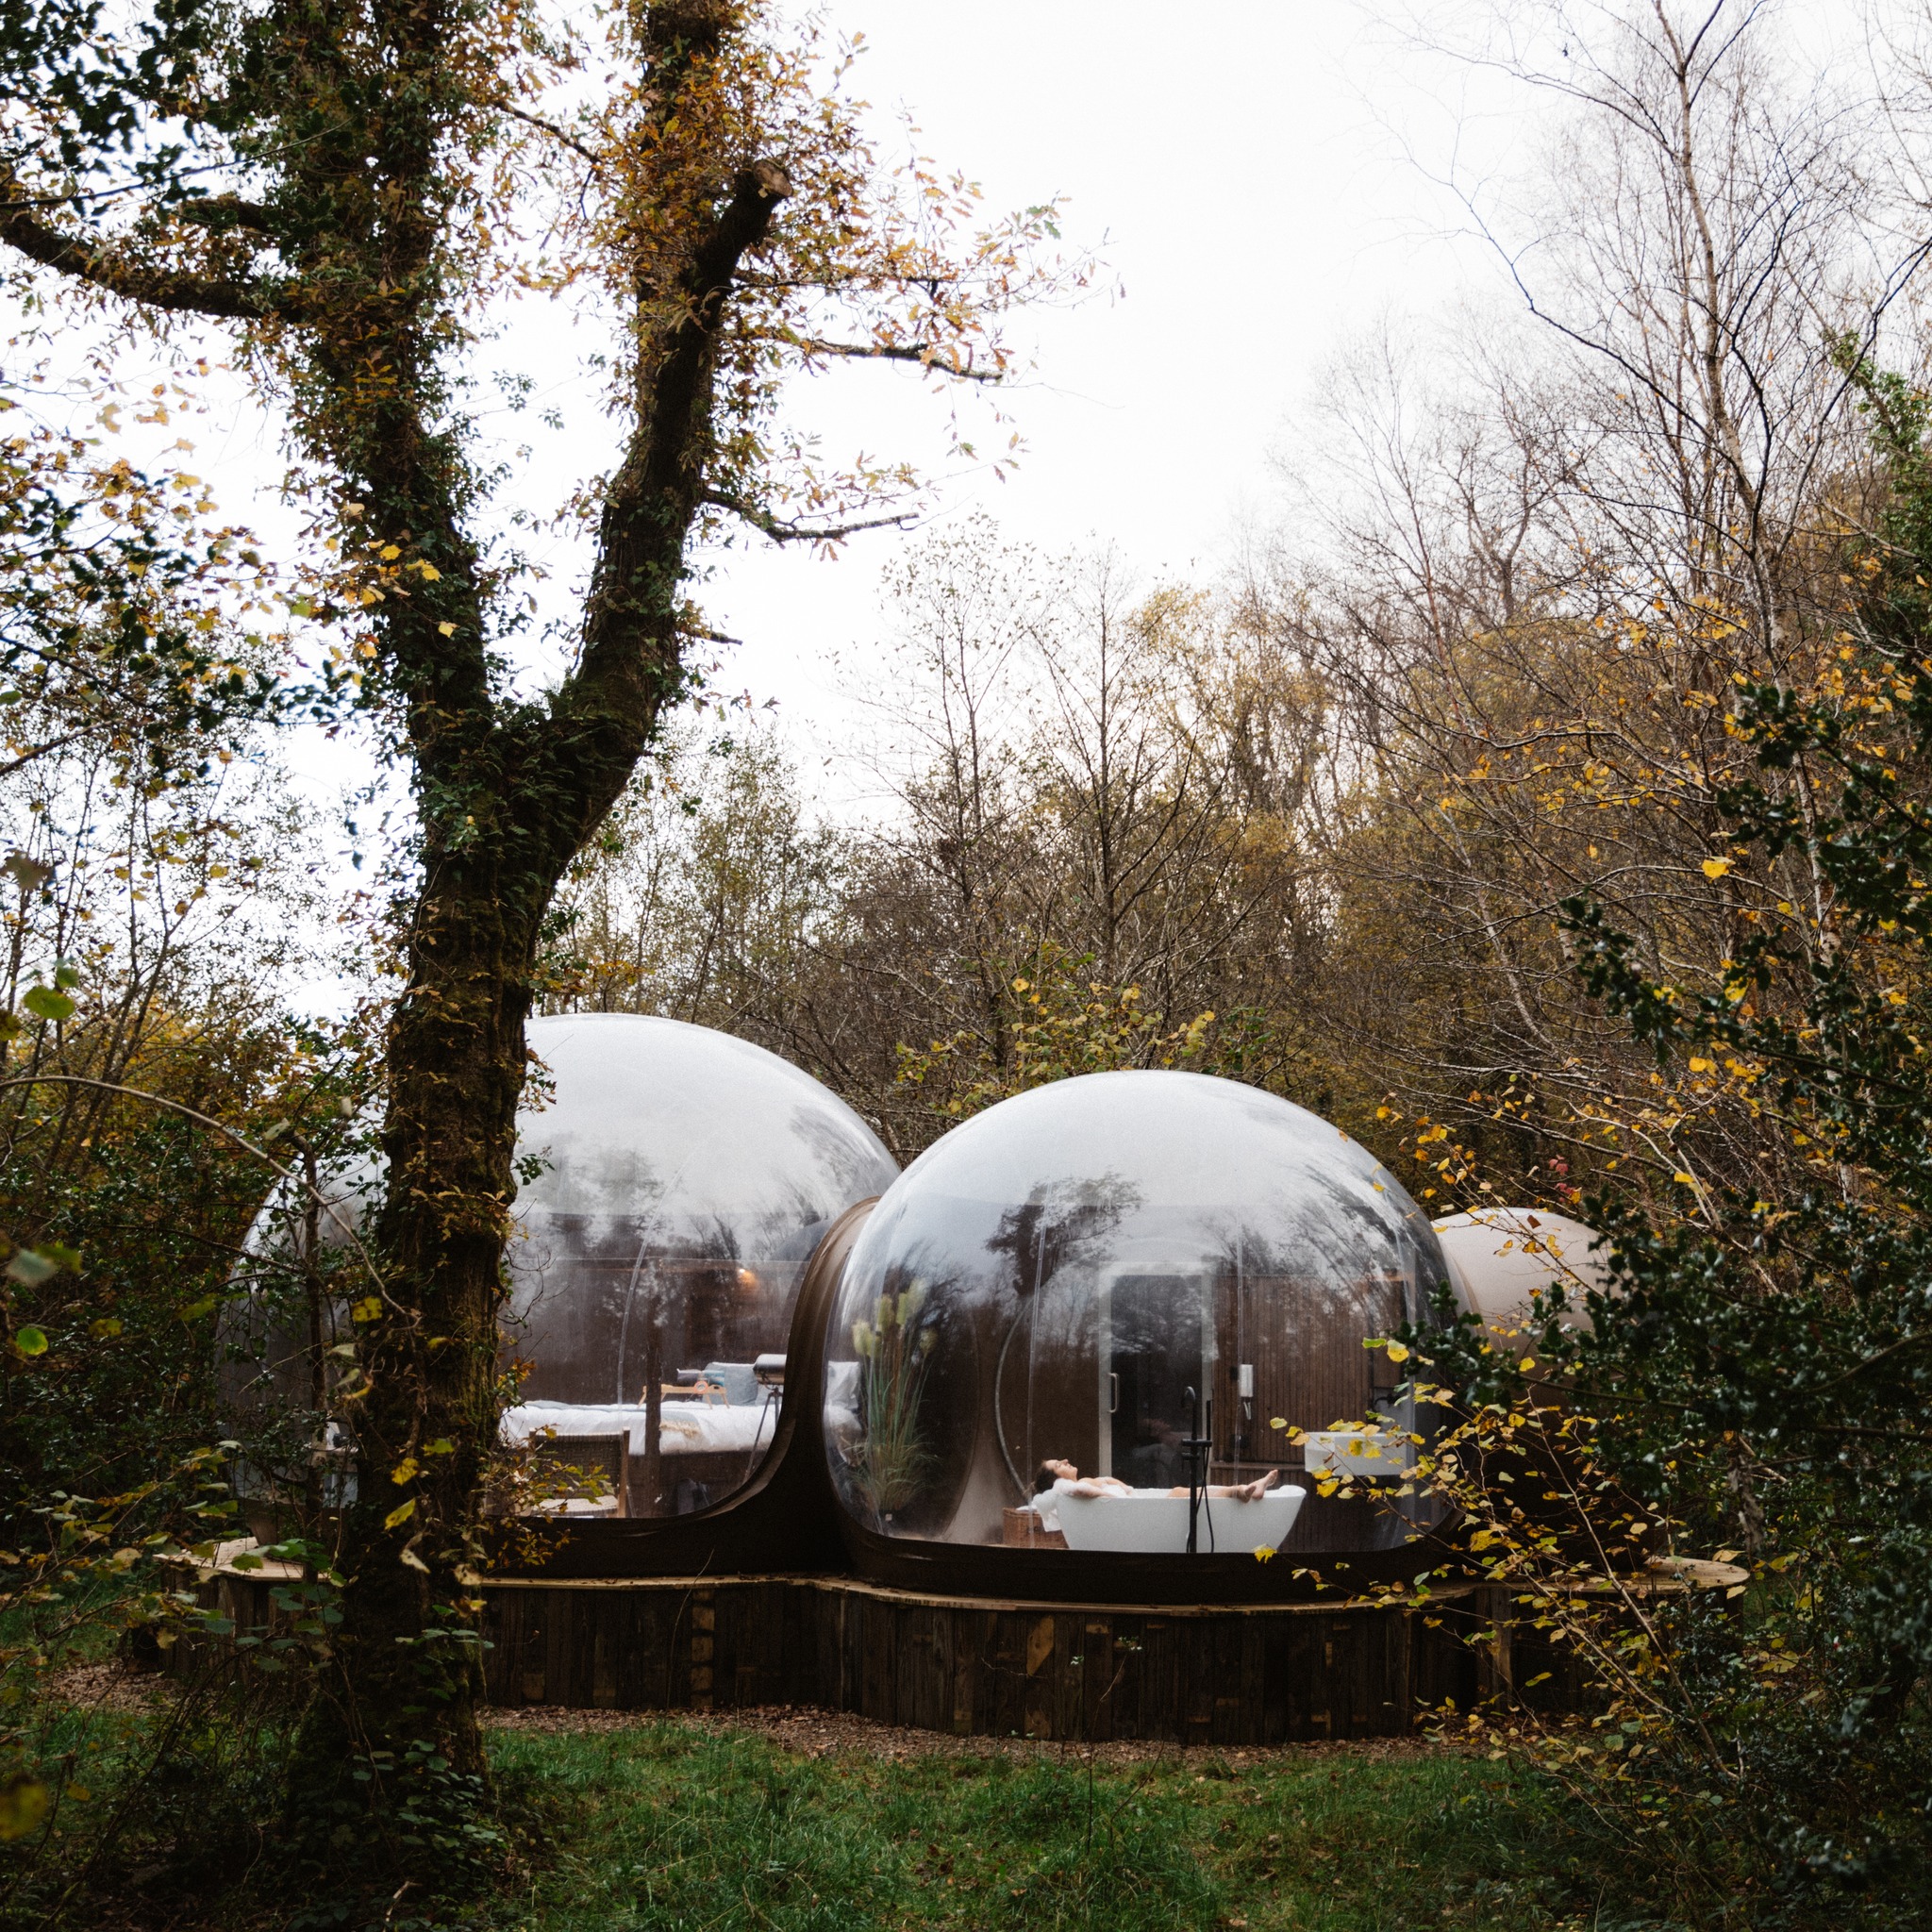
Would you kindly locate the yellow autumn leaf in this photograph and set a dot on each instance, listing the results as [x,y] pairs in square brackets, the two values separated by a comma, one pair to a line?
[1716,868]
[447,628]
[401,1513]
[405,1472]
[1527,1364]
[1397,1353]
[1685,1180]
[23,1806]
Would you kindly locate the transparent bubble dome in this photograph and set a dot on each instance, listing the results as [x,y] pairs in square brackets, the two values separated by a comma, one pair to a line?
[686,1178]
[1088,1273]
[1501,1258]
[674,1182]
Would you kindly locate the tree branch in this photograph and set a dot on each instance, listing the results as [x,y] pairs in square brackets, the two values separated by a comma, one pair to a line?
[631,660]
[228,211]
[929,357]
[549,127]
[779,531]
[95,263]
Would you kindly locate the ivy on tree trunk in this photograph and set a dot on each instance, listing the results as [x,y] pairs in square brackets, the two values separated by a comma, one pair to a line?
[344,185]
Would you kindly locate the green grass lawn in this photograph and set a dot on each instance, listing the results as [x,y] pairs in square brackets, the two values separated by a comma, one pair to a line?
[667,1826]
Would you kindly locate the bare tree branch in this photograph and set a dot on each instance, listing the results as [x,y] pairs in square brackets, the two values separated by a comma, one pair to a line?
[779,531]
[549,127]
[929,357]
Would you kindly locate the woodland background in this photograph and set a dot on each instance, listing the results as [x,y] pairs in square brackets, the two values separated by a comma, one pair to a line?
[1599,616]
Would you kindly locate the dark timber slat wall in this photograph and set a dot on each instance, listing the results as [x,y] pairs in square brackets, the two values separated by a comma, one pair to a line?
[1203,1675]
[1197,1675]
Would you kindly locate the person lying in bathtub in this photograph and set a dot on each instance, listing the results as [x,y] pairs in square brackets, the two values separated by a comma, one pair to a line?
[1056,1471]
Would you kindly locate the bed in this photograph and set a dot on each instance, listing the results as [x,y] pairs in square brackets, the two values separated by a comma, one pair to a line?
[684,1427]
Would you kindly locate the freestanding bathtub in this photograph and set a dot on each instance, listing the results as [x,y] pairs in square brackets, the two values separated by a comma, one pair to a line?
[1153,1522]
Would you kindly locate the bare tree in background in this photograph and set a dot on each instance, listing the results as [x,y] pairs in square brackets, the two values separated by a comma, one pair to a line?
[1097,803]
[1557,568]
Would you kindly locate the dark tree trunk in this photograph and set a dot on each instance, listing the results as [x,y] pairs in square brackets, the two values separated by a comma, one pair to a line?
[369,136]
[505,803]
[396,1718]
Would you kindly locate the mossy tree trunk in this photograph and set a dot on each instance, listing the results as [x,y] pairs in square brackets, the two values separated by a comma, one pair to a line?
[335,182]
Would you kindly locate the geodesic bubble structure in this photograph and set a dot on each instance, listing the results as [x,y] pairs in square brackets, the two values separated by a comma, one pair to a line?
[676,1181]
[1160,1281]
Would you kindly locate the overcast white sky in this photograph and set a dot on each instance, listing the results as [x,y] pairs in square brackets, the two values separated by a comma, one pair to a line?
[1231,165]
[1254,174]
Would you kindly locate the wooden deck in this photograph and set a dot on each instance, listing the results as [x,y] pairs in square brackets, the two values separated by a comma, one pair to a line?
[1200,1674]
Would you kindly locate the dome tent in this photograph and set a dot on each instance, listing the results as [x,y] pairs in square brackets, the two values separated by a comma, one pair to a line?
[1501,1257]
[1110,1274]
[686,1178]
[1146,1276]
[674,1183]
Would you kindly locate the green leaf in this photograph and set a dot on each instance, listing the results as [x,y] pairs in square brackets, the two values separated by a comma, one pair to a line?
[31,1341]
[45,1004]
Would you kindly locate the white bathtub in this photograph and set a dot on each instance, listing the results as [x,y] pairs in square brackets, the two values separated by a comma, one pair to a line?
[1153,1522]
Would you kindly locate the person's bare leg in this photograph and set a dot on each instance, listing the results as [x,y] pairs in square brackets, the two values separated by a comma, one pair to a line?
[1236,1492]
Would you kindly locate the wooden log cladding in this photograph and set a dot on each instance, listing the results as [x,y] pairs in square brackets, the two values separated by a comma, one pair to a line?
[1206,1673]
[1195,1675]
[1239,1674]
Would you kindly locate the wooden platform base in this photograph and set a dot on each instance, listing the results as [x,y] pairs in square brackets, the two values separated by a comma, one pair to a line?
[1252,1675]
[1249,1674]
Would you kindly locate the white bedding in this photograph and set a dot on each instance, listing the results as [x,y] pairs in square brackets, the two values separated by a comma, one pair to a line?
[684,1429]
[1377,1454]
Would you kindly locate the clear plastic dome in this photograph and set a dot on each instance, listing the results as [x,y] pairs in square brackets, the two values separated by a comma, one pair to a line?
[687,1176]
[1501,1257]
[1100,1272]
[674,1182]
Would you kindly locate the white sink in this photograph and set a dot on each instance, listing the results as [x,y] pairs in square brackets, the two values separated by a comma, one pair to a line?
[1359,1455]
